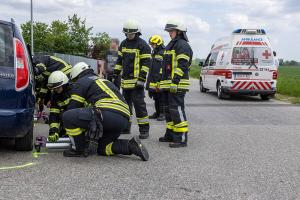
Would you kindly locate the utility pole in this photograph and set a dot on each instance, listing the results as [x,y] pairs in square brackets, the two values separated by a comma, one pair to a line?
[31,16]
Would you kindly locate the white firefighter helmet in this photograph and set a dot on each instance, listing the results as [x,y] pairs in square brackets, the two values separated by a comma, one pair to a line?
[131,26]
[57,79]
[174,24]
[78,68]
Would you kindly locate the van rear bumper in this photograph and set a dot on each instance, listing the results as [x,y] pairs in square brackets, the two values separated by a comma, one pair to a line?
[15,122]
[228,90]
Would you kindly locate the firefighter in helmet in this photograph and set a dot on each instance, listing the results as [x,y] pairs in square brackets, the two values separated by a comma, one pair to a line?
[154,76]
[175,82]
[133,63]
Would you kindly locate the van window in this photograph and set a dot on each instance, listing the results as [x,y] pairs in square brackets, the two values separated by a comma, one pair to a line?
[222,57]
[207,60]
[213,58]
[259,56]
[6,46]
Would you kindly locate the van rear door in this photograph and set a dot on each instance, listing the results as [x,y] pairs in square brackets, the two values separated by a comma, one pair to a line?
[8,98]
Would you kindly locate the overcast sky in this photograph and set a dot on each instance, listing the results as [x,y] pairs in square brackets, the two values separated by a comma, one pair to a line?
[206,20]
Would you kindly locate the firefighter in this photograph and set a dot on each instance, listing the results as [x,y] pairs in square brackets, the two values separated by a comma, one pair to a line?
[154,76]
[133,61]
[44,66]
[98,101]
[58,83]
[175,81]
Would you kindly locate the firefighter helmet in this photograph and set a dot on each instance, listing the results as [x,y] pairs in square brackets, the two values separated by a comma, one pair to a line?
[131,26]
[78,68]
[57,79]
[175,25]
[156,39]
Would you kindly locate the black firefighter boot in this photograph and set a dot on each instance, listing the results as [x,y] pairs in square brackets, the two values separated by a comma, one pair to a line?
[179,140]
[167,137]
[153,116]
[136,147]
[127,130]
[144,131]
[81,147]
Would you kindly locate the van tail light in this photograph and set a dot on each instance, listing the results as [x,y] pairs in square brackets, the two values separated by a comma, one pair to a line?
[275,75]
[228,75]
[21,66]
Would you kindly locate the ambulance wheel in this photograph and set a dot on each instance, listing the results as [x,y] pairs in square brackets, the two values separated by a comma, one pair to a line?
[220,91]
[202,89]
[265,96]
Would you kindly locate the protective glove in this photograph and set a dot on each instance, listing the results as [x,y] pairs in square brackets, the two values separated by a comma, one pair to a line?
[39,78]
[53,137]
[173,88]
[140,84]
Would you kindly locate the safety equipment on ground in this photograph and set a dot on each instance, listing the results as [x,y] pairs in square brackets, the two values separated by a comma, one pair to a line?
[57,79]
[173,88]
[156,39]
[140,84]
[78,68]
[131,26]
[53,138]
[137,148]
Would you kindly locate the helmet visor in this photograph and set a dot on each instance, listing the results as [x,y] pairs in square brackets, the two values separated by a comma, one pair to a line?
[54,85]
[127,30]
[170,27]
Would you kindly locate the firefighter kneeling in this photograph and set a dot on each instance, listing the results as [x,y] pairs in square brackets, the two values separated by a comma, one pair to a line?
[98,110]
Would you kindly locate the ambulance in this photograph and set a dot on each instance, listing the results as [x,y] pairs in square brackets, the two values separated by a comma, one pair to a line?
[242,63]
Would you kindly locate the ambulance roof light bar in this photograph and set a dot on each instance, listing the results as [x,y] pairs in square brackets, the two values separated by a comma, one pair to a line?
[249,31]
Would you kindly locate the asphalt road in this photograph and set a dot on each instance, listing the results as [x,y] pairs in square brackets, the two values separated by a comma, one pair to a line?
[243,148]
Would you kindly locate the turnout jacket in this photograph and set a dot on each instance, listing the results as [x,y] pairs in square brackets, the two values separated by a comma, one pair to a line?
[49,64]
[155,72]
[133,61]
[91,91]
[59,104]
[176,63]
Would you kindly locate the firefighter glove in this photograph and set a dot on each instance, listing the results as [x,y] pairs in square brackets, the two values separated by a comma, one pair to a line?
[53,137]
[173,88]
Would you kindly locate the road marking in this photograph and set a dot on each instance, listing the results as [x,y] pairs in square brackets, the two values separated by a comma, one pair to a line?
[18,166]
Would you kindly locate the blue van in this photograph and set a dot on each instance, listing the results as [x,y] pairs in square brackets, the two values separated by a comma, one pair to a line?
[17,97]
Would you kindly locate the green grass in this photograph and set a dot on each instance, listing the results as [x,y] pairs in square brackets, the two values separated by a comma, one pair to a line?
[289,81]
[195,71]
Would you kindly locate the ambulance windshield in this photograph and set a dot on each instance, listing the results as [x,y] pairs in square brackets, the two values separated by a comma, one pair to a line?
[256,56]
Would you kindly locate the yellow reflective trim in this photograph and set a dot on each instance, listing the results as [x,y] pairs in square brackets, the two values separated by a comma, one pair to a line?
[118,67]
[160,71]
[54,110]
[60,60]
[129,80]
[136,63]
[54,125]
[181,130]
[67,72]
[179,72]
[114,107]
[77,98]
[108,149]
[64,103]
[143,56]
[44,90]
[74,131]
[172,53]
[145,69]
[66,68]
[120,53]
[181,124]
[143,120]
[170,125]
[106,89]
[158,57]
[18,166]
[182,56]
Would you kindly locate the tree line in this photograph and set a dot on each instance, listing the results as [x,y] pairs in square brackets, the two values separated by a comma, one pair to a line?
[71,36]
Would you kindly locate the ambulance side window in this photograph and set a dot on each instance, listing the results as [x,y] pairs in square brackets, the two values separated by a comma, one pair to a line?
[213,58]
[206,61]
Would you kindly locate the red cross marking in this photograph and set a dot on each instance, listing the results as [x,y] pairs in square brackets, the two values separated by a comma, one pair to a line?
[266,54]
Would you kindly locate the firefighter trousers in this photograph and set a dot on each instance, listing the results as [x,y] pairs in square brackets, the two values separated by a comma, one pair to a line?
[176,121]
[136,97]
[77,122]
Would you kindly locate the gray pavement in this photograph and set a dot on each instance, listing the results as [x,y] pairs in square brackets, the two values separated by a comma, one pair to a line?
[243,148]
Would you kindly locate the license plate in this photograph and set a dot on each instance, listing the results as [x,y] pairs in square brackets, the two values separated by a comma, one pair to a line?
[242,76]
